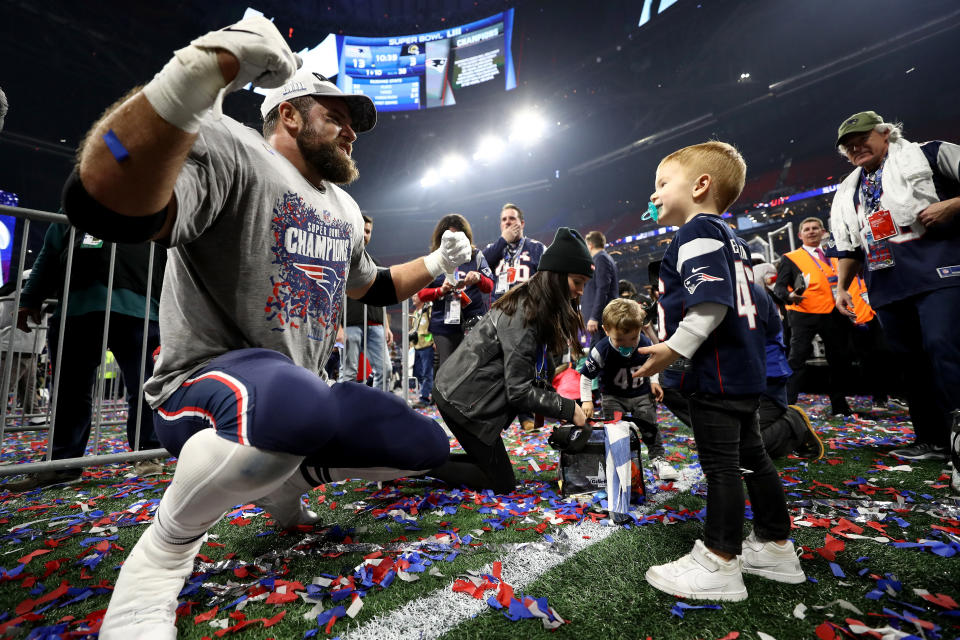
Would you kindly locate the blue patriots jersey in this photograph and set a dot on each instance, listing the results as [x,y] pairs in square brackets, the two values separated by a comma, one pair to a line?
[615,371]
[706,262]
[524,258]
[925,258]
[478,299]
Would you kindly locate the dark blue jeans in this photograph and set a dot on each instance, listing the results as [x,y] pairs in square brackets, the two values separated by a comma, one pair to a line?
[423,371]
[922,331]
[731,453]
[78,373]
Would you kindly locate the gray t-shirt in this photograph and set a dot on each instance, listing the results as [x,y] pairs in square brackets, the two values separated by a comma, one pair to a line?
[259,257]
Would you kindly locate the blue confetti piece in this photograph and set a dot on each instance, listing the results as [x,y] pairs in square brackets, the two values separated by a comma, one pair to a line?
[837,571]
[492,601]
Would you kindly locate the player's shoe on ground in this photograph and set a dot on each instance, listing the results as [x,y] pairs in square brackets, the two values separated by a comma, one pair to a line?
[31,481]
[701,575]
[921,451]
[144,600]
[529,426]
[664,470]
[771,560]
[147,468]
[811,446]
[286,512]
[899,404]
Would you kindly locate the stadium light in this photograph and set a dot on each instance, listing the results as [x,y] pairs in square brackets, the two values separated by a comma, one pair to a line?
[527,128]
[452,166]
[489,149]
[429,179]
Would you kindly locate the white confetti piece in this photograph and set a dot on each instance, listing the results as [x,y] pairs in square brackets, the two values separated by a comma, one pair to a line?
[800,611]
[355,606]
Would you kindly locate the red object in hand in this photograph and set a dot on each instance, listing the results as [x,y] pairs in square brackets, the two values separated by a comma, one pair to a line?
[464,298]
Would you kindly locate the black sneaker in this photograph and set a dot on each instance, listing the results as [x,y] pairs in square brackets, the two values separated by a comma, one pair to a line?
[31,481]
[921,451]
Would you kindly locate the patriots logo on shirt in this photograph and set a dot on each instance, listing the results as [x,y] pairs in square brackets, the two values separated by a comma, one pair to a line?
[311,251]
[698,278]
[324,276]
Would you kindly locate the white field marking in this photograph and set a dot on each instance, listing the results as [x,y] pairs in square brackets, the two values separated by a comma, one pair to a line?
[442,610]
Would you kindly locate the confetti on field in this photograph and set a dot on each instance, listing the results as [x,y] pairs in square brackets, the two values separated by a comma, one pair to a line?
[61,548]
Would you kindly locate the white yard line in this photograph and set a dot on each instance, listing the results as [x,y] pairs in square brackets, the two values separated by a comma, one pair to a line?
[442,610]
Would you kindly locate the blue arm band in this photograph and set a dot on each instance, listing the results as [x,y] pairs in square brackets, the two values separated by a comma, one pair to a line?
[382,292]
[90,216]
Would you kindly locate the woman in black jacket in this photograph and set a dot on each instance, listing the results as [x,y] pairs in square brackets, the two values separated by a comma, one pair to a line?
[501,368]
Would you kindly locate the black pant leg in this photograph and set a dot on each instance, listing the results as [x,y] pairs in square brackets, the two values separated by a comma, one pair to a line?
[803,327]
[482,466]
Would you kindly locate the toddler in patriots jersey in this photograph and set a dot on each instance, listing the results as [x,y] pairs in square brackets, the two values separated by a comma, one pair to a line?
[713,353]
[613,360]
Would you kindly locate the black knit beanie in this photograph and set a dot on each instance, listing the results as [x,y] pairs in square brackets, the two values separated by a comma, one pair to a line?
[567,253]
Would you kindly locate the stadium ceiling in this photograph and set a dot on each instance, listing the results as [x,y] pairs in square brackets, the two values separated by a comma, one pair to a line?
[772,77]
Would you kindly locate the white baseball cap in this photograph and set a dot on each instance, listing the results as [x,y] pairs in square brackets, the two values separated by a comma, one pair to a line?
[310,83]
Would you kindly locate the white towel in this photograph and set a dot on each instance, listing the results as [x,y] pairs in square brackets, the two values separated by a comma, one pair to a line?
[908,189]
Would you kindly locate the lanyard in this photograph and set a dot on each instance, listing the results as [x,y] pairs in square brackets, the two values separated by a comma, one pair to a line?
[871,189]
[831,279]
[512,257]
[542,364]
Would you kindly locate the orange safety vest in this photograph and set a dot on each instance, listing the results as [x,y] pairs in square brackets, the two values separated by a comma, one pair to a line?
[861,306]
[818,296]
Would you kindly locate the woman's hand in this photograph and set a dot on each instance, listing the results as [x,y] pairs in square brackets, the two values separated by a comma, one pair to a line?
[471,279]
[587,409]
[579,417]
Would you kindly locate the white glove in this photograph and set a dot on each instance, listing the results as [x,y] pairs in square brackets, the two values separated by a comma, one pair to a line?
[454,250]
[191,82]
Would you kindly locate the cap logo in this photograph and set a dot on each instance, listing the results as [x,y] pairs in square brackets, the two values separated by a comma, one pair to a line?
[321,77]
[293,87]
[851,121]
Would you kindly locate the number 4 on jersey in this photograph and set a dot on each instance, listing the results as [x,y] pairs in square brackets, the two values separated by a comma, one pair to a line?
[746,308]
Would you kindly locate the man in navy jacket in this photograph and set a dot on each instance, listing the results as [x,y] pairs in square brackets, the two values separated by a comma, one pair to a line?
[600,289]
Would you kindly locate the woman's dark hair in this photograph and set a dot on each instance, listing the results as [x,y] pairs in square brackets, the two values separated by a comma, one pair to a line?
[451,220]
[548,308]
[626,287]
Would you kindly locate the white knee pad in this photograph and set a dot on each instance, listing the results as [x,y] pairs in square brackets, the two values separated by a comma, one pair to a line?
[213,475]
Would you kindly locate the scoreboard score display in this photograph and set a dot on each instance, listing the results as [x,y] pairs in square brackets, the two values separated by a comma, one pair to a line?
[432,69]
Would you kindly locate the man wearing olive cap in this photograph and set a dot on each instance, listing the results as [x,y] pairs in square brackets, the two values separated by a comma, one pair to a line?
[895,219]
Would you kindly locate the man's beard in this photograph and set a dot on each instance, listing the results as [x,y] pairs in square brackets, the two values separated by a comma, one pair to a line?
[326,158]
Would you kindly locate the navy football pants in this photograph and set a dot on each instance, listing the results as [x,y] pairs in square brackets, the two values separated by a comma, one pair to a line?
[260,398]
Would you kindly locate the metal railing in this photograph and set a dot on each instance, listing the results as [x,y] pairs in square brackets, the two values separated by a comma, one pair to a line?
[39,412]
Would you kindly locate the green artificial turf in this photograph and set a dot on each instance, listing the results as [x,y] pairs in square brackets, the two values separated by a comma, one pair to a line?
[600,592]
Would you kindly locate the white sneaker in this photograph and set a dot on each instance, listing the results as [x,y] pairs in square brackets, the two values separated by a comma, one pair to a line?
[287,511]
[664,470]
[701,575]
[772,561]
[144,599]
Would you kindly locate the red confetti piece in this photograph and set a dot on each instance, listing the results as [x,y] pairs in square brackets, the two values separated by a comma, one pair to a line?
[206,616]
[941,599]
[33,554]
[825,632]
